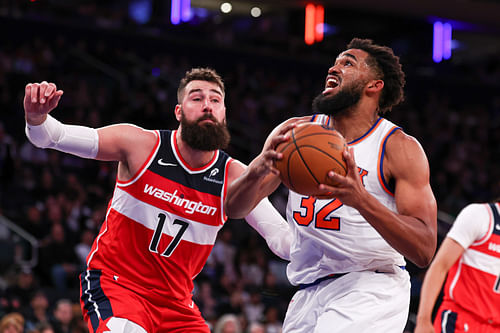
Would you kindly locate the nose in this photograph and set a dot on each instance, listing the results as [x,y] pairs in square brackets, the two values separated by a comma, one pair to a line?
[333,70]
[207,107]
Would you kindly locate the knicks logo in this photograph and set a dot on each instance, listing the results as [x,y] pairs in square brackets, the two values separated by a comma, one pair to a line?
[362,174]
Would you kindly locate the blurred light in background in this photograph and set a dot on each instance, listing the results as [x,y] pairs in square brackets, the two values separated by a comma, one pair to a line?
[226,7]
[255,11]
[180,10]
[140,10]
[313,29]
[441,48]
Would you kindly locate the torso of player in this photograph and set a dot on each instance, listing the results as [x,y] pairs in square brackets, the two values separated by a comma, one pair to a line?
[162,224]
[331,237]
[473,282]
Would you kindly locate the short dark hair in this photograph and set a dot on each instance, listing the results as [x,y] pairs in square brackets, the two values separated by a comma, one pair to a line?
[386,65]
[202,74]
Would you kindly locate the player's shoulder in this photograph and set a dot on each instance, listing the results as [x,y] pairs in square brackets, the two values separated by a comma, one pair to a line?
[474,208]
[400,140]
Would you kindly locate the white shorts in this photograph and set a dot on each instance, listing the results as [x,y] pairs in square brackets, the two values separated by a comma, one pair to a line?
[356,302]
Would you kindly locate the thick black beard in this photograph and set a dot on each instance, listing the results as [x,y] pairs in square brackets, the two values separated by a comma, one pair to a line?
[338,104]
[205,137]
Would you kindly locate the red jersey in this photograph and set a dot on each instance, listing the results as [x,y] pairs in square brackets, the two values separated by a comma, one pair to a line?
[473,282]
[161,225]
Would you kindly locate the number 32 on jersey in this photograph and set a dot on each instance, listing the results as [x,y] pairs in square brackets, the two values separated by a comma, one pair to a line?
[323,217]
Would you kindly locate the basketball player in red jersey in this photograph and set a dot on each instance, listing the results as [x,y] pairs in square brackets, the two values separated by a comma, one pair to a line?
[470,256]
[166,209]
[347,254]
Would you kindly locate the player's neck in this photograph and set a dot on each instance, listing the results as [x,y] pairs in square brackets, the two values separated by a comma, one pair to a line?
[355,124]
[193,157]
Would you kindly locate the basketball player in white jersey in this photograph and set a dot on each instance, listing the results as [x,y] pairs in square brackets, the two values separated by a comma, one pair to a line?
[470,258]
[166,209]
[347,255]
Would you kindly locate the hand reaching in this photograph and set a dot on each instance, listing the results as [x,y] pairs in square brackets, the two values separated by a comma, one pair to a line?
[39,100]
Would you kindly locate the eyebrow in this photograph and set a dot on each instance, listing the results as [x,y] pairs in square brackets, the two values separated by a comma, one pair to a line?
[347,55]
[200,90]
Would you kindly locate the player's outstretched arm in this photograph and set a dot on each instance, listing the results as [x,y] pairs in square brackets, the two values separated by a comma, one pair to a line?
[412,229]
[112,143]
[266,220]
[448,254]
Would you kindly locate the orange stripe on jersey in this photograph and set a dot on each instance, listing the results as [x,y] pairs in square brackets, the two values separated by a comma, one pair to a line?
[146,162]
[179,156]
[367,134]
[381,153]
[176,198]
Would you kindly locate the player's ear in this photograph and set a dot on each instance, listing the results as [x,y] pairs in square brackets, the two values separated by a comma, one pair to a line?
[375,85]
[177,112]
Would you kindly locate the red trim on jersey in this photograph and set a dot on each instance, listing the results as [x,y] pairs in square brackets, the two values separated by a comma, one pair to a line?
[186,164]
[225,186]
[175,198]
[146,162]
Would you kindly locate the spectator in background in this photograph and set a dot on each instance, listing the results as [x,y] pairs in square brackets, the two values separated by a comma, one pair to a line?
[470,257]
[228,323]
[62,319]
[20,293]
[60,262]
[38,312]
[12,323]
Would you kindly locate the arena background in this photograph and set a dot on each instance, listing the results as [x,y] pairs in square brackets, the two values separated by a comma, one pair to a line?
[121,61]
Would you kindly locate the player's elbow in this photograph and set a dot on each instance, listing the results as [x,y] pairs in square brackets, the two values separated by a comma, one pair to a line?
[424,256]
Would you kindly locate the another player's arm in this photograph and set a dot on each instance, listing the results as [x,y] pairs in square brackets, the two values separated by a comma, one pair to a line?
[112,143]
[260,178]
[265,219]
[447,255]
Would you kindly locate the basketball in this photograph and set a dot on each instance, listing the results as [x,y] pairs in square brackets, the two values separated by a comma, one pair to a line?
[312,151]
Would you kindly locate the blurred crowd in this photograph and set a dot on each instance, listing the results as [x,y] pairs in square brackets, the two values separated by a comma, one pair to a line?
[109,77]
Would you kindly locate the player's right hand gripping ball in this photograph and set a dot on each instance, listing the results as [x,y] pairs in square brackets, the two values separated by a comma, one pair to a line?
[312,151]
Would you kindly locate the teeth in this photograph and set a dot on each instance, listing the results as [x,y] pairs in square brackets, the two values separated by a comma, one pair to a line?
[332,82]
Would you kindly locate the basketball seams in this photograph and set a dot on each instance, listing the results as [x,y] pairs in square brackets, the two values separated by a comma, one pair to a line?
[324,152]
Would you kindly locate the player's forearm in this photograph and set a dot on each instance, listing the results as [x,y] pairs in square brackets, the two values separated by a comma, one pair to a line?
[246,192]
[51,133]
[410,236]
[269,223]
[429,293]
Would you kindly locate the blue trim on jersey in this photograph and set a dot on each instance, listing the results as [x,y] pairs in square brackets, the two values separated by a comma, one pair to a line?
[448,321]
[496,218]
[95,301]
[367,132]
[381,163]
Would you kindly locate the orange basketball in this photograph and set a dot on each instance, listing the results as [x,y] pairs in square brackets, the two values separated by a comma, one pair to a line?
[312,151]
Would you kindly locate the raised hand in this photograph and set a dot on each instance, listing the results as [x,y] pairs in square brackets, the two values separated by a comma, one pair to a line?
[39,100]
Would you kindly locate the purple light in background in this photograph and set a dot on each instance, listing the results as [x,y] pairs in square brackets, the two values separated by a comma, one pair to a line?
[175,12]
[185,10]
[447,29]
[437,49]
[156,71]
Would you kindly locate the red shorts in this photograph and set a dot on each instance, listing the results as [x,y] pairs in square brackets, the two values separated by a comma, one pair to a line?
[101,297]
[451,318]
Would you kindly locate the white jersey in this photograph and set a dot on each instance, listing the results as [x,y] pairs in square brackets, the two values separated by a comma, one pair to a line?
[330,237]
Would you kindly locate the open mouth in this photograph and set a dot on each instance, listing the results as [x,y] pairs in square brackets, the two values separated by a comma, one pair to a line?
[332,82]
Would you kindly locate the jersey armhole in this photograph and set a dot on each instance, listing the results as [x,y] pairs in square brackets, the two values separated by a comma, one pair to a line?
[144,166]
